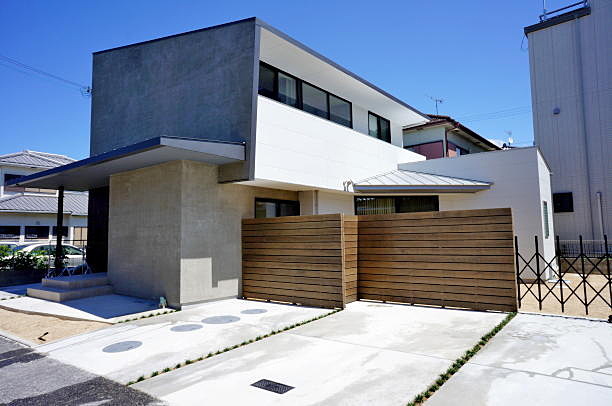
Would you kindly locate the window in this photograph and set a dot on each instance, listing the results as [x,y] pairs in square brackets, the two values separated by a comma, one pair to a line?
[379,127]
[266,208]
[431,150]
[395,204]
[36,232]
[68,250]
[546,225]
[314,100]
[11,176]
[455,150]
[64,231]
[288,89]
[9,232]
[267,81]
[563,202]
[340,111]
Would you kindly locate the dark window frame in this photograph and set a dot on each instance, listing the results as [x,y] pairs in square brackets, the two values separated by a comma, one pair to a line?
[563,202]
[277,203]
[13,234]
[64,228]
[300,101]
[379,118]
[396,202]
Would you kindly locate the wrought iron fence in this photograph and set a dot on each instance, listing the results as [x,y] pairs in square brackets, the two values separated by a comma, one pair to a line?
[578,274]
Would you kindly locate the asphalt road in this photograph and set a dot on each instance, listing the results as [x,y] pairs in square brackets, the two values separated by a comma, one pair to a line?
[29,378]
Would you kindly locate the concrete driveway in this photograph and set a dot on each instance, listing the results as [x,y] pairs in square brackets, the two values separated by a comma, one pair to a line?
[370,353]
[124,352]
[537,360]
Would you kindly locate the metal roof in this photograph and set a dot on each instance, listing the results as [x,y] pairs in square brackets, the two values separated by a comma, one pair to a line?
[74,203]
[34,159]
[399,181]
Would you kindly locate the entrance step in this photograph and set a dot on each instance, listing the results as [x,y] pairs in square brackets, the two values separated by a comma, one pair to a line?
[64,288]
[76,281]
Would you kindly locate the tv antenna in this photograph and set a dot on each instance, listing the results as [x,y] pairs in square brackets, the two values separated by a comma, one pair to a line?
[437,101]
[510,139]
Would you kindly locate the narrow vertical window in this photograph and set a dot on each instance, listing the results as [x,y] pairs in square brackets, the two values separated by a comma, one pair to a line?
[267,81]
[373,125]
[546,224]
[340,111]
[379,127]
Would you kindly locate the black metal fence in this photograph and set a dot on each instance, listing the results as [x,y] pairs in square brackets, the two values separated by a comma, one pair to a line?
[577,276]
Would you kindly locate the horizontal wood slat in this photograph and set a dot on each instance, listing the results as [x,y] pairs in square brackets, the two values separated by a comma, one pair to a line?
[296,259]
[453,258]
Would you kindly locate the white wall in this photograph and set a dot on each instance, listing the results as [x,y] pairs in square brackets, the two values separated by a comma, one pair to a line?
[299,148]
[520,181]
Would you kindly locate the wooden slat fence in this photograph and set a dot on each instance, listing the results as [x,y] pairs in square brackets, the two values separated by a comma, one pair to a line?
[299,259]
[448,258]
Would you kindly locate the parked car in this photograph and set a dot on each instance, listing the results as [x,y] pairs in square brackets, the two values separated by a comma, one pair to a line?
[75,256]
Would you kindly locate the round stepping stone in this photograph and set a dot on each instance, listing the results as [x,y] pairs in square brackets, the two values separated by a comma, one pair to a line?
[220,319]
[253,311]
[122,346]
[186,327]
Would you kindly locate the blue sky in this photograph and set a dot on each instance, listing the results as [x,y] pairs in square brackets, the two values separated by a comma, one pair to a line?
[469,53]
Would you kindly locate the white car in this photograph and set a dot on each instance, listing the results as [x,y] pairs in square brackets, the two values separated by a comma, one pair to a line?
[75,256]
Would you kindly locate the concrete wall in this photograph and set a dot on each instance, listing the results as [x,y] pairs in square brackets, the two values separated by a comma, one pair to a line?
[174,231]
[298,148]
[197,85]
[570,65]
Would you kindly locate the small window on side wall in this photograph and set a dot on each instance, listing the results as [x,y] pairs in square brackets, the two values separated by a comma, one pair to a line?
[563,202]
[379,127]
[546,221]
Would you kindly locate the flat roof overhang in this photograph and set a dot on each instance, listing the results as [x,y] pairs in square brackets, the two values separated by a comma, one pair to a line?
[94,171]
[386,189]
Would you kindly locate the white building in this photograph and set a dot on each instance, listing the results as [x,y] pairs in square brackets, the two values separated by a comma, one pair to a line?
[570,58]
[29,214]
[252,123]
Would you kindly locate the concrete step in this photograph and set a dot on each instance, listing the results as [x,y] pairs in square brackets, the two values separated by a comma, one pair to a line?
[76,281]
[55,294]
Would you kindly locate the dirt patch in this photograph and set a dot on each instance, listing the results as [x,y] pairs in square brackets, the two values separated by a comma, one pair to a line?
[33,326]
[597,294]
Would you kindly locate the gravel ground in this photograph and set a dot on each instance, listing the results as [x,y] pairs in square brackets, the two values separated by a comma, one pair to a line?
[32,326]
[29,378]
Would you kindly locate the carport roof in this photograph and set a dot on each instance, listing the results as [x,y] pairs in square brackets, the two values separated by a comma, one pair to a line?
[94,171]
[402,181]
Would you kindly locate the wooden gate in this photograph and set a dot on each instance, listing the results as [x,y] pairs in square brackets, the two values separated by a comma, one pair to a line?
[448,258]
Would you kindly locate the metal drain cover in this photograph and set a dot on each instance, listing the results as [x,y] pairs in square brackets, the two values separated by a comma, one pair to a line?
[272,386]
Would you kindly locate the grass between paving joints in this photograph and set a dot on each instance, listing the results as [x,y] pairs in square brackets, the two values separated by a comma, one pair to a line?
[242,344]
[146,316]
[426,394]
[11,297]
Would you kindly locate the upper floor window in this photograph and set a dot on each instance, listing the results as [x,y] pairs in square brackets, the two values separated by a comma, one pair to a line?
[379,127]
[266,208]
[295,92]
[563,202]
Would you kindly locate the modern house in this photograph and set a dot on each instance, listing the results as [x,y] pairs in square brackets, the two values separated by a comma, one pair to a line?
[194,132]
[444,137]
[570,59]
[28,214]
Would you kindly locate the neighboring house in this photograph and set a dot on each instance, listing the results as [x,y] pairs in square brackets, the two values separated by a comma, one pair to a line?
[570,58]
[444,137]
[193,132]
[29,214]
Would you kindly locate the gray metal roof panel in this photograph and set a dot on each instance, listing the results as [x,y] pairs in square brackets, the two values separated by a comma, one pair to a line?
[74,203]
[35,159]
[411,178]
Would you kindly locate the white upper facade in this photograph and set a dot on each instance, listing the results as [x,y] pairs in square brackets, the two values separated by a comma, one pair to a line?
[296,149]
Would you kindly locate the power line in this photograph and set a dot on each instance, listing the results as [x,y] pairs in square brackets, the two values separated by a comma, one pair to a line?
[84,89]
